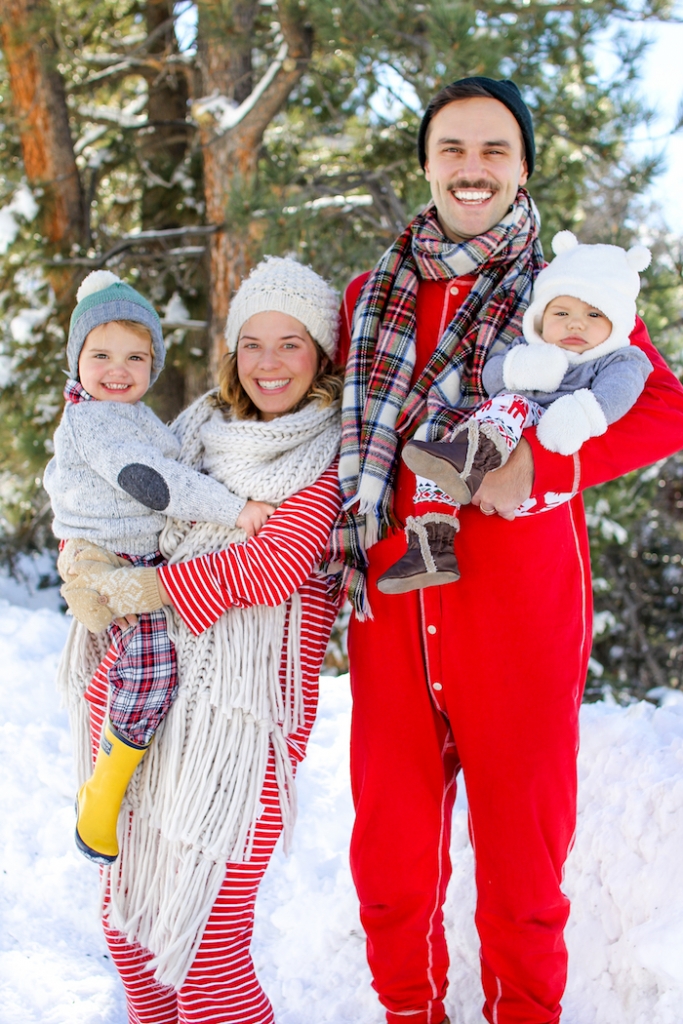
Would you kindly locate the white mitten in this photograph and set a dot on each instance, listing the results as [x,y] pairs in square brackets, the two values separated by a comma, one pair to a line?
[570,421]
[534,368]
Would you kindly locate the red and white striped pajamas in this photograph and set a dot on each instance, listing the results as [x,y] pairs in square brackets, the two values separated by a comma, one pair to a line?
[483,675]
[222,987]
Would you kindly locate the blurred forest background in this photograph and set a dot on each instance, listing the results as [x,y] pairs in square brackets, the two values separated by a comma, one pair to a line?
[176,143]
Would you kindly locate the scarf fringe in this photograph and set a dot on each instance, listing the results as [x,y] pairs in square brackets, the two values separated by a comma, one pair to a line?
[196,797]
[81,655]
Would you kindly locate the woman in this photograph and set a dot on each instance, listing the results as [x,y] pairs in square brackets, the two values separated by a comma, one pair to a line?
[250,621]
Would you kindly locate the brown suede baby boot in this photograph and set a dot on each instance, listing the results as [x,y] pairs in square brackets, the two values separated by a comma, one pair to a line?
[430,559]
[459,465]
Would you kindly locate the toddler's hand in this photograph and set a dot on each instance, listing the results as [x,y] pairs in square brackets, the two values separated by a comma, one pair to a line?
[81,555]
[253,516]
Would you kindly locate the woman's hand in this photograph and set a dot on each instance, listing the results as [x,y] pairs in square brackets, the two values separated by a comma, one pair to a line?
[253,516]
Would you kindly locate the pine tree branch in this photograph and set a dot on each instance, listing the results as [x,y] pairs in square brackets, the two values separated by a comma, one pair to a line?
[130,241]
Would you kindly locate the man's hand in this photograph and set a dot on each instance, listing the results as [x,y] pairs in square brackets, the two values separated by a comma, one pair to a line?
[253,516]
[504,490]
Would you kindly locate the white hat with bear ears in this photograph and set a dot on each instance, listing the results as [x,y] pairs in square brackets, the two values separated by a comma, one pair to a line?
[604,276]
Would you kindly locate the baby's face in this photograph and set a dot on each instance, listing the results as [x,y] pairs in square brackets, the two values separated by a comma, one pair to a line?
[115,364]
[574,325]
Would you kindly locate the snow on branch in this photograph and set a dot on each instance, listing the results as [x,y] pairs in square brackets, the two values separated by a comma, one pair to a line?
[226,113]
[128,117]
[132,240]
[22,204]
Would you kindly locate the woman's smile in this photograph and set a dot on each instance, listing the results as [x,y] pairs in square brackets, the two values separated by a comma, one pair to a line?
[273,385]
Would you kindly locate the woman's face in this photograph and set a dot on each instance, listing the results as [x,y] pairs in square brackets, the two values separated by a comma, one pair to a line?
[277,361]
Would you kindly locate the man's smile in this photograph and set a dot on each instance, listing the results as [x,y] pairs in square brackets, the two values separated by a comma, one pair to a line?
[472,197]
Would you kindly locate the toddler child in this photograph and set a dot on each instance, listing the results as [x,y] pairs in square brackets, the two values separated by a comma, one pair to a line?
[573,373]
[113,480]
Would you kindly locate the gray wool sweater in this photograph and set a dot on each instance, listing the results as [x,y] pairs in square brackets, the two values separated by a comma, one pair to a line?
[114,478]
[616,380]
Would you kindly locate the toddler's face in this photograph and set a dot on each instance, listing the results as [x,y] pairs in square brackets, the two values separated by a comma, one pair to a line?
[115,364]
[574,325]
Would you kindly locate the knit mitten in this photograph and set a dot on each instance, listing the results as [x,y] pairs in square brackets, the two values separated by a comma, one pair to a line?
[118,592]
[77,550]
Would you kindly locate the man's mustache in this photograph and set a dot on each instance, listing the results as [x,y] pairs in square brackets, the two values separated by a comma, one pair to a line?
[478,183]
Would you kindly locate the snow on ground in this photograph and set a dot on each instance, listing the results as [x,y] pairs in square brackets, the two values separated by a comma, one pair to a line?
[625,874]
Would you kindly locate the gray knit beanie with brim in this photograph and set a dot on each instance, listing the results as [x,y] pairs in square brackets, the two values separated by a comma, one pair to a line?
[281,284]
[102,298]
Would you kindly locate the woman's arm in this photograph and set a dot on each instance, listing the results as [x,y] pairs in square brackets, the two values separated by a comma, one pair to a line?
[266,569]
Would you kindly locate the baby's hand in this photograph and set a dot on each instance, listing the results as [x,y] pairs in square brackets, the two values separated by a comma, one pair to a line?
[253,516]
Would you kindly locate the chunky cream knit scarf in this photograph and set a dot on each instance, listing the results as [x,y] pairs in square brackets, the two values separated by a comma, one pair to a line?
[196,794]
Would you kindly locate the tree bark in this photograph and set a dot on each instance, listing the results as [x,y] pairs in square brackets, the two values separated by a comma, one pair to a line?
[161,150]
[230,154]
[39,104]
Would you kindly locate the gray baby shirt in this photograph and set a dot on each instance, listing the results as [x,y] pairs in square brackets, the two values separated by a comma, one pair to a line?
[114,479]
[616,380]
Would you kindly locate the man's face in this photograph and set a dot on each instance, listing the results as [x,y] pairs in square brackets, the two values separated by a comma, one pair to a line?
[474,165]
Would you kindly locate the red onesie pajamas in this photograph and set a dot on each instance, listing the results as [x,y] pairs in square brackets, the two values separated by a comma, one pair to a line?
[486,675]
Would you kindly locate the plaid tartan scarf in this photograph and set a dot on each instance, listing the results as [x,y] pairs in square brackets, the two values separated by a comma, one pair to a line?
[75,392]
[380,407]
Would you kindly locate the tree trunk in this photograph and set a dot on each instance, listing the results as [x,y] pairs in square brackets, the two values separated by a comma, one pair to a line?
[163,146]
[230,153]
[161,149]
[39,104]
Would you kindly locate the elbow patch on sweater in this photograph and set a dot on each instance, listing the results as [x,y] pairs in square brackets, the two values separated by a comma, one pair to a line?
[145,485]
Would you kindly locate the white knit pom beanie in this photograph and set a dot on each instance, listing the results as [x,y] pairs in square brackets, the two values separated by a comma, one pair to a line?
[604,276]
[103,297]
[284,285]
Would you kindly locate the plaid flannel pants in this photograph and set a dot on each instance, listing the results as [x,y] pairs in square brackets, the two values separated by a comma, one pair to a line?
[143,681]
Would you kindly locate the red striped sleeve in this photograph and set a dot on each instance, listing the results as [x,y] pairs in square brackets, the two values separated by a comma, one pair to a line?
[265,569]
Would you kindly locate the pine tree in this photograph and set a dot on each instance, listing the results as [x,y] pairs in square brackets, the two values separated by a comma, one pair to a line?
[286,125]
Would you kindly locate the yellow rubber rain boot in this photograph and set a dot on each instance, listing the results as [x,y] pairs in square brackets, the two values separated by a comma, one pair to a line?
[99,800]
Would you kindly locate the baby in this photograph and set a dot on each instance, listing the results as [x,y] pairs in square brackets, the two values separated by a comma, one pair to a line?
[573,374]
[113,480]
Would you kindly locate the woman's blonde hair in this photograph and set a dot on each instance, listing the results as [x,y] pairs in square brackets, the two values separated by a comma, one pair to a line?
[326,387]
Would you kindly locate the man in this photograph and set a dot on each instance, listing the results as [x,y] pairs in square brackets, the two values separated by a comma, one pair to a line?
[483,675]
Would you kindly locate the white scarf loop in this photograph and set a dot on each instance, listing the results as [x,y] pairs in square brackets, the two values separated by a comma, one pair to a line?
[195,796]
